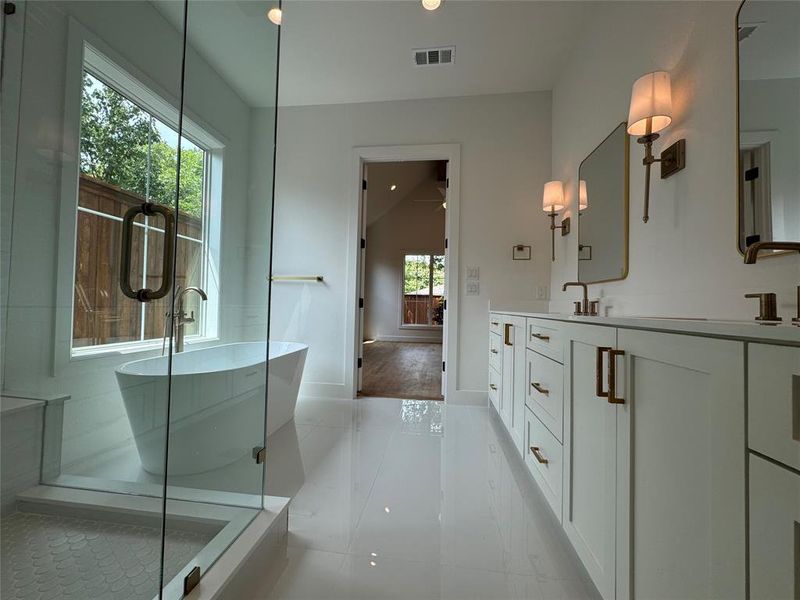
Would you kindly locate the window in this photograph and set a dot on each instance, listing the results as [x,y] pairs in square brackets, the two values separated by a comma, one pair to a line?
[129,154]
[423,290]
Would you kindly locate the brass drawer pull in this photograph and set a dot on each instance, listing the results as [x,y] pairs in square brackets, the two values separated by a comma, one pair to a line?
[537,454]
[538,387]
[539,336]
[495,351]
[598,374]
[508,328]
[612,376]
[493,387]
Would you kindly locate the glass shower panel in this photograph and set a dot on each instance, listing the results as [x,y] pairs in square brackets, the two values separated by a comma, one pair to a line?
[219,353]
[89,162]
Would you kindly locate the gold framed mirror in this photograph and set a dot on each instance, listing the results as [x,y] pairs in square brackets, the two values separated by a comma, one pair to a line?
[603,216]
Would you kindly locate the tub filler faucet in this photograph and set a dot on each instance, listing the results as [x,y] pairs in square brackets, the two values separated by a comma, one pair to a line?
[180,319]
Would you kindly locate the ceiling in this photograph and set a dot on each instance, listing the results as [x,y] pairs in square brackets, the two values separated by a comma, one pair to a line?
[772,51]
[415,181]
[340,51]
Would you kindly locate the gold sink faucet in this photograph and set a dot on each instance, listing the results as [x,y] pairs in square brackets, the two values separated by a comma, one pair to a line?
[581,308]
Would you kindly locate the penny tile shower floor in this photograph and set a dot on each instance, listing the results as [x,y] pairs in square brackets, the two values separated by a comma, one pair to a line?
[45,556]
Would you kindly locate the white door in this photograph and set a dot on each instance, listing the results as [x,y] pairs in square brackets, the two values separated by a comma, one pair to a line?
[362,265]
[774,531]
[590,434]
[681,467]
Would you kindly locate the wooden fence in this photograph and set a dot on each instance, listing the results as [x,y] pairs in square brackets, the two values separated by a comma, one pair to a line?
[102,314]
[416,307]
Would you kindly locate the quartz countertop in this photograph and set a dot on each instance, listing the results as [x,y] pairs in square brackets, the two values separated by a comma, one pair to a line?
[784,333]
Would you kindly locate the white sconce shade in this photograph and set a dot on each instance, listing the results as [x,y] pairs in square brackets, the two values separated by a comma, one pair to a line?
[583,198]
[651,104]
[553,199]
[431,4]
[275,15]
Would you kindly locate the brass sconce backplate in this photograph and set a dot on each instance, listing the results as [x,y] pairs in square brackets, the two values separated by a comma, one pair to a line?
[673,159]
[565,223]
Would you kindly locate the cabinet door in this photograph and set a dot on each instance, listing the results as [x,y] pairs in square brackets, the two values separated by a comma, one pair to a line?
[513,401]
[774,531]
[590,433]
[681,467]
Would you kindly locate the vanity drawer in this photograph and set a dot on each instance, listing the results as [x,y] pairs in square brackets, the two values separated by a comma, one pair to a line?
[544,458]
[545,337]
[774,531]
[496,352]
[545,392]
[774,402]
[495,389]
[495,324]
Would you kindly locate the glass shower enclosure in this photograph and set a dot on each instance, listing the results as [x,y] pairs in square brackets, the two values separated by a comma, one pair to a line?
[138,144]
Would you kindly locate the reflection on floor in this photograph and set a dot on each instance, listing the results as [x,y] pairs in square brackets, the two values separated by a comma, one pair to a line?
[414,499]
[45,556]
[402,370]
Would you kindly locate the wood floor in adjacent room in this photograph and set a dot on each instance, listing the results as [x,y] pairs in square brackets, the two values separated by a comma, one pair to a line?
[402,370]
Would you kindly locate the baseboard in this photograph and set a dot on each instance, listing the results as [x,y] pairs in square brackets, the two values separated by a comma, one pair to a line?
[415,339]
[467,398]
[314,389]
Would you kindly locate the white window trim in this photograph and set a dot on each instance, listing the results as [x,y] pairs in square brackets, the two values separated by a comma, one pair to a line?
[401,324]
[87,50]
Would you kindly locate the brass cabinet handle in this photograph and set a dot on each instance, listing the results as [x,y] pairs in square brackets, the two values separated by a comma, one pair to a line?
[612,376]
[598,373]
[493,387]
[495,351]
[539,336]
[537,454]
[507,334]
[538,387]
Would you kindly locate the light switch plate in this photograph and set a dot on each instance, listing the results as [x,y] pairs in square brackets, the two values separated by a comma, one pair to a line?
[473,288]
[473,273]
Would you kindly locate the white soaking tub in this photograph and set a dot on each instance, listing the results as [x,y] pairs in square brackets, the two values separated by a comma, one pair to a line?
[217,407]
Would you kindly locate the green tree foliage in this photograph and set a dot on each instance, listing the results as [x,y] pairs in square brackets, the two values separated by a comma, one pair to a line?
[417,272]
[115,134]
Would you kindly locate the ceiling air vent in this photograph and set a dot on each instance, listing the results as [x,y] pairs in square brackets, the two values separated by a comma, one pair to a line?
[434,56]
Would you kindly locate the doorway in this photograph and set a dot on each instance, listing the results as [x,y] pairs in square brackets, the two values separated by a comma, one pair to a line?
[403,279]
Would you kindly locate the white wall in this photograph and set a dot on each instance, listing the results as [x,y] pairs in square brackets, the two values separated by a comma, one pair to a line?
[407,228]
[684,261]
[94,418]
[505,160]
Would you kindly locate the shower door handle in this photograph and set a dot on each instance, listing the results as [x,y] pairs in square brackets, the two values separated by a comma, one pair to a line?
[149,209]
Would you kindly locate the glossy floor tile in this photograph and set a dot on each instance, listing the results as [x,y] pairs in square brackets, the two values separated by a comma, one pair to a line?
[415,499]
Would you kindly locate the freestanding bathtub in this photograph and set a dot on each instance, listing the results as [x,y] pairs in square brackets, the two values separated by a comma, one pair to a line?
[216,413]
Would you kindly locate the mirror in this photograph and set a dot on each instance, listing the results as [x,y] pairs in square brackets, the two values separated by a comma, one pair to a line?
[769,122]
[603,223]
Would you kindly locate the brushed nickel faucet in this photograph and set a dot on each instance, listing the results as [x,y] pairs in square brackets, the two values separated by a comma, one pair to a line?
[768,307]
[181,319]
[582,307]
[751,252]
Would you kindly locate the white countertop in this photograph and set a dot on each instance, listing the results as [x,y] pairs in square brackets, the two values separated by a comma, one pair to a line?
[785,333]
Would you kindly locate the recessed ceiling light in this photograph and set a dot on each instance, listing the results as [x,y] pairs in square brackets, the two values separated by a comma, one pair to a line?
[431,4]
[372,563]
[392,187]
[275,15]
[386,509]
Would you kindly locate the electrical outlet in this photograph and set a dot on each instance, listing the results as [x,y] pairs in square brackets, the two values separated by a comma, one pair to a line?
[542,292]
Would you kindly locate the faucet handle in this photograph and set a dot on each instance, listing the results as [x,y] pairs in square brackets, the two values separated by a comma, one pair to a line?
[594,308]
[578,308]
[768,306]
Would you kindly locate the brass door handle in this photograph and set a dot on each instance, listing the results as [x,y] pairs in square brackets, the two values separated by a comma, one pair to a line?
[493,387]
[612,376]
[598,373]
[537,454]
[539,388]
[149,209]
[539,336]
[507,334]
[495,351]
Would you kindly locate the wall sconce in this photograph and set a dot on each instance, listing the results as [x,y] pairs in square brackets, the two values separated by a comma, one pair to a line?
[583,198]
[552,202]
[649,113]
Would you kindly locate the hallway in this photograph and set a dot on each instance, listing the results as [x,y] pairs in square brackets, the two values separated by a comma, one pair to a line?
[403,370]
[413,500]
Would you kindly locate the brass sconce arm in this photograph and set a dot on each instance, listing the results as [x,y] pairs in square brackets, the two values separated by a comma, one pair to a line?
[564,227]
[647,161]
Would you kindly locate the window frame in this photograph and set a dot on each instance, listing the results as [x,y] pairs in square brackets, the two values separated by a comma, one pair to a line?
[87,51]
[430,254]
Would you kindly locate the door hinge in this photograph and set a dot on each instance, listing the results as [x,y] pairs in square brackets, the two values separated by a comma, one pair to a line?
[447,183]
[751,174]
[360,303]
[360,362]
[445,243]
[444,304]
[363,243]
[363,184]
[9,8]
[443,366]
[259,454]
[191,580]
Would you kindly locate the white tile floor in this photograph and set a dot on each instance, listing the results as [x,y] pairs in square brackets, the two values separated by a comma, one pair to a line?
[411,499]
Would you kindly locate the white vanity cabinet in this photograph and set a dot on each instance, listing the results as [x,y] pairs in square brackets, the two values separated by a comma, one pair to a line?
[506,373]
